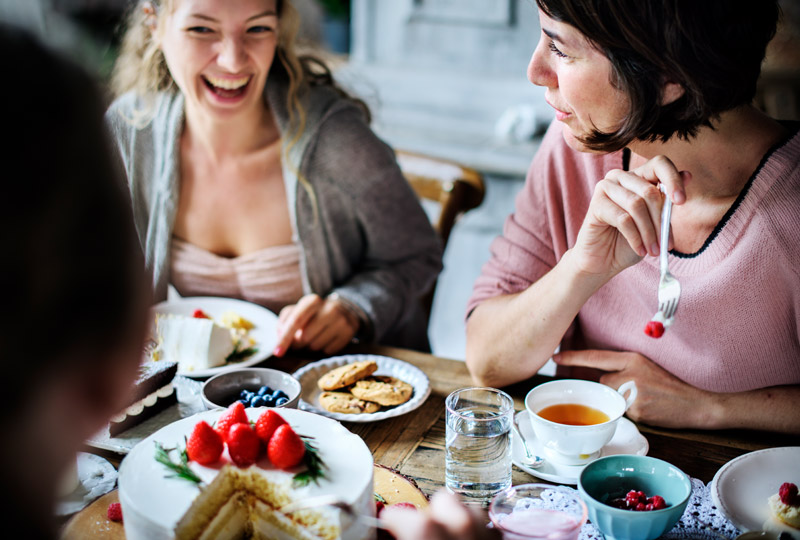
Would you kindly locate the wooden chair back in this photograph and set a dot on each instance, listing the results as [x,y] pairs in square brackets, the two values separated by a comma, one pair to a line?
[456,189]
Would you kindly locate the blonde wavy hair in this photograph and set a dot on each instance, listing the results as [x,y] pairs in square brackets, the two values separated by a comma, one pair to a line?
[141,67]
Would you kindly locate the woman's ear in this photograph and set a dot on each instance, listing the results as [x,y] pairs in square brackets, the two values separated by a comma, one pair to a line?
[671,91]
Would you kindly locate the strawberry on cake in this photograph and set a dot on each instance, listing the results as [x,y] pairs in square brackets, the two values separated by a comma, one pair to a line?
[226,474]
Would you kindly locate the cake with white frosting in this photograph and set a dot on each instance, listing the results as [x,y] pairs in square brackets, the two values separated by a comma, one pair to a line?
[235,502]
[195,343]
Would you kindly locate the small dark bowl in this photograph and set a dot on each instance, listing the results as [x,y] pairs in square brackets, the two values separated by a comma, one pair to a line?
[221,390]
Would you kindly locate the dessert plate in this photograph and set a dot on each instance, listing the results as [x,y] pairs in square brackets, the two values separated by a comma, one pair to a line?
[96,477]
[626,440]
[310,392]
[265,332]
[741,487]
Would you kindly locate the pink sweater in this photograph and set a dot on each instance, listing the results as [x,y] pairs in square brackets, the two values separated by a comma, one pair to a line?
[738,321]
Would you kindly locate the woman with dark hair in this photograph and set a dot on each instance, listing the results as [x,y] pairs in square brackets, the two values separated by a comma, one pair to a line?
[74,293]
[649,94]
[253,176]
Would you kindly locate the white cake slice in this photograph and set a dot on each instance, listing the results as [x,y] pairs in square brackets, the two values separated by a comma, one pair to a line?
[195,343]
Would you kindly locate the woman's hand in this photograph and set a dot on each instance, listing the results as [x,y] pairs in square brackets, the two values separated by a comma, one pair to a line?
[321,324]
[663,399]
[623,221]
[445,519]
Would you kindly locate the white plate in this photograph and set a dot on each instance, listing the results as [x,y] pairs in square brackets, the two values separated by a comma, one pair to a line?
[626,440]
[189,403]
[265,332]
[310,392]
[741,487]
[96,477]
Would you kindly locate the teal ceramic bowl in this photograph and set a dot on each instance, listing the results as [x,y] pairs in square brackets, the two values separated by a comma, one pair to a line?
[612,477]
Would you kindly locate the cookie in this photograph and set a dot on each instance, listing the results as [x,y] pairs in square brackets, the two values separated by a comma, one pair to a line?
[346,375]
[382,390]
[346,403]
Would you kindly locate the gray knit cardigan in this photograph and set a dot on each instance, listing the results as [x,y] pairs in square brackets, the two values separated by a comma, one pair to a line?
[368,239]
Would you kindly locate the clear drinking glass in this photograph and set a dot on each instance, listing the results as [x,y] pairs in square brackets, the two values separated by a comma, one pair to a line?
[478,447]
[538,511]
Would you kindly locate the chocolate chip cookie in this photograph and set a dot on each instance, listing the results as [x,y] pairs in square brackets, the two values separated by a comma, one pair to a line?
[383,390]
[346,375]
[346,403]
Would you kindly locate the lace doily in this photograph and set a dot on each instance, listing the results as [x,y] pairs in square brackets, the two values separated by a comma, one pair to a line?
[701,520]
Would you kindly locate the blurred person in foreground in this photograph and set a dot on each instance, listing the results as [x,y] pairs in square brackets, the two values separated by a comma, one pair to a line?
[649,93]
[254,176]
[74,293]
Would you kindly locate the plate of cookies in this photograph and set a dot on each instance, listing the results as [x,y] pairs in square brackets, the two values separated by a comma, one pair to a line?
[361,387]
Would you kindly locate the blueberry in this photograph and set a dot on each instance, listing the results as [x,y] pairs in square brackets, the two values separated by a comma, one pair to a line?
[279,394]
[270,401]
[258,401]
[281,401]
[243,393]
[264,390]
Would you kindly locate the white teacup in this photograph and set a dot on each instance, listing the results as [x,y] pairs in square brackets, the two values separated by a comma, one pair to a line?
[577,444]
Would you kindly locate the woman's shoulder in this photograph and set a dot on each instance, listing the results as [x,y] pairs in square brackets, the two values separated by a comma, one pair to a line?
[341,132]
[132,111]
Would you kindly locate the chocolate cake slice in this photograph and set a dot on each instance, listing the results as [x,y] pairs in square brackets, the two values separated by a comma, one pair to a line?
[152,393]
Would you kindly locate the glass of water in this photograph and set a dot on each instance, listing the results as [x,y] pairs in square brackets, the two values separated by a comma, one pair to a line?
[478,447]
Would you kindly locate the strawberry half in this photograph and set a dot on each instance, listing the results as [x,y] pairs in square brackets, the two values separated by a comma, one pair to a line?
[244,446]
[654,329]
[267,423]
[204,445]
[200,314]
[285,448]
[234,414]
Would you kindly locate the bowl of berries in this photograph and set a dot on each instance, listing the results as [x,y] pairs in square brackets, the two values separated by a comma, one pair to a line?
[634,497]
[254,387]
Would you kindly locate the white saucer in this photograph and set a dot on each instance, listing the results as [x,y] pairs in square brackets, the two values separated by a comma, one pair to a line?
[626,440]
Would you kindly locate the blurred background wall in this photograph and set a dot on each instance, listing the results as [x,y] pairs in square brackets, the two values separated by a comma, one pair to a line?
[442,77]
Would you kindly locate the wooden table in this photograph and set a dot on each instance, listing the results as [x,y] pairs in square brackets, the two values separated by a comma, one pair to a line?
[414,443]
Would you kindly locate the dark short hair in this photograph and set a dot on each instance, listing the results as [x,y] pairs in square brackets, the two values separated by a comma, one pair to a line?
[712,48]
[71,277]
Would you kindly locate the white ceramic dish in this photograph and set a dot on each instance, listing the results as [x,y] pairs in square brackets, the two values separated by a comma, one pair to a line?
[189,403]
[741,487]
[310,374]
[265,332]
[626,440]
[96,477]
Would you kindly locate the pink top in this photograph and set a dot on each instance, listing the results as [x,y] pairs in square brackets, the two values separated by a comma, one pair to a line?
[738,321]
[269,277]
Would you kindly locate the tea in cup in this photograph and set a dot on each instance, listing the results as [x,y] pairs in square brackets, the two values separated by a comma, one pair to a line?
[573,419]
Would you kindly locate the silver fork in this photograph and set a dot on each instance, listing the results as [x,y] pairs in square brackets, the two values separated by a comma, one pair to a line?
[669,289]
[336,502]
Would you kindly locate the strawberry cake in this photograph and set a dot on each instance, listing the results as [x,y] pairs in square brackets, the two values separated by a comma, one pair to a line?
[229,497]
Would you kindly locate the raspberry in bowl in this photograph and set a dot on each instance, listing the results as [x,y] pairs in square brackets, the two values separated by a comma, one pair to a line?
[618,489]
